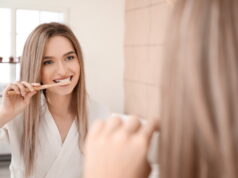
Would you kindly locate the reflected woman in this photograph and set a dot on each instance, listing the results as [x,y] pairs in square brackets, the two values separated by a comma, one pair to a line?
[47,130]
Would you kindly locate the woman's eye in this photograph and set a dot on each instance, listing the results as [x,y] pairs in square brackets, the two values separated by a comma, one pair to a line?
[69,58]
[47,62]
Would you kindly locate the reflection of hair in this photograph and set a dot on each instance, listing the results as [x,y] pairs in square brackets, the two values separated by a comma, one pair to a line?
[31,62]
[199,119]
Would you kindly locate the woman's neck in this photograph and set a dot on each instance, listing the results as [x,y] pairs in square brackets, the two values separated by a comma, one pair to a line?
[59,105]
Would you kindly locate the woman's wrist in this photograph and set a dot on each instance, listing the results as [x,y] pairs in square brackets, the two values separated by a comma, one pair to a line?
[4,116]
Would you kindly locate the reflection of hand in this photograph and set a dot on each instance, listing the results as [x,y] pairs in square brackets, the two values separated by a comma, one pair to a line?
[117,149]
[14,104]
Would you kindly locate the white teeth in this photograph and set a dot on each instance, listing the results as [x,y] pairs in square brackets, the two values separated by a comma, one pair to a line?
[63,80]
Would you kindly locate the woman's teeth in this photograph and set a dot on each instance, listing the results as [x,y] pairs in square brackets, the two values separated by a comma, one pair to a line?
[63,80]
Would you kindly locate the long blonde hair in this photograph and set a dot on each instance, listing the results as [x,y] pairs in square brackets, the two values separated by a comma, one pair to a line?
[31,62]
[199,119]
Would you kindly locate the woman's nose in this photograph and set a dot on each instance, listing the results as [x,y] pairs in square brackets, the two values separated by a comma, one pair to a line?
[61,68]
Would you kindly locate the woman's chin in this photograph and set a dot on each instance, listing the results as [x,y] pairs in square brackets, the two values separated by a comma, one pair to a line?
[62,91]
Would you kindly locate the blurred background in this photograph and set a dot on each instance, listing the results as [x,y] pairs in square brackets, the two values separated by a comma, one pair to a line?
[122,43]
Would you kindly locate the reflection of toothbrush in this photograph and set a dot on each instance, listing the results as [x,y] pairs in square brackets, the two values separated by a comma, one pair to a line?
[41,87]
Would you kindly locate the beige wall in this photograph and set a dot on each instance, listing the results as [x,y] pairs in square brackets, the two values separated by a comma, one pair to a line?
[145,27]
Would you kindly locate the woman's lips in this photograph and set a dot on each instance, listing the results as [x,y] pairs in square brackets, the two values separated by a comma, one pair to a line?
[63,80]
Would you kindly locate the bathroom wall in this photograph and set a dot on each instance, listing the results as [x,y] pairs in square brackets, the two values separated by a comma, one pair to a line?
[145,27]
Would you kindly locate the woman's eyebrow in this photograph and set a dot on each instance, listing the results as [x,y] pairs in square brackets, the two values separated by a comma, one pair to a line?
[70,52]
[66,54]
[47,57]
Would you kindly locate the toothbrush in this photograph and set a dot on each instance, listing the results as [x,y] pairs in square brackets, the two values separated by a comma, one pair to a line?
[41,87]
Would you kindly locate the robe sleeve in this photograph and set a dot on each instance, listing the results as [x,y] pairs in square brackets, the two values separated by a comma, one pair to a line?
[4,135]
[12,127]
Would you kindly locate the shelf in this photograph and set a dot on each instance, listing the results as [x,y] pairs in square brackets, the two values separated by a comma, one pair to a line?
[5,157]
[9,62]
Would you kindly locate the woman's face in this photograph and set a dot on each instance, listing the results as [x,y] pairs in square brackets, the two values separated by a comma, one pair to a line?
[60,63]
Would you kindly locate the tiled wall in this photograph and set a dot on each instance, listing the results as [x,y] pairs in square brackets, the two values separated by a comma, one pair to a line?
[146,23]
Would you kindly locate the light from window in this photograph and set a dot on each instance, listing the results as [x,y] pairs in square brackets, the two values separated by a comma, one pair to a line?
[46,17]
[5,33]
[27,20]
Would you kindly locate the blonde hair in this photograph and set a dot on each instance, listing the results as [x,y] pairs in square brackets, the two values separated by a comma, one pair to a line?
[199,119]
[31,62]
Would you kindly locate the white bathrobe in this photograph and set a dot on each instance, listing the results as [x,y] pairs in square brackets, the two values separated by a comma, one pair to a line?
[54,159]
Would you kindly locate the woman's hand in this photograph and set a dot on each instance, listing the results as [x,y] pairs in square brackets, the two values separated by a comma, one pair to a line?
[12,105]
[117,149]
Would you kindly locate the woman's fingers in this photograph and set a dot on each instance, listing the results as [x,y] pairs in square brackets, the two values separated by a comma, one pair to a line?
[118,144]
[132,124]
[149,128]
[113,124]
[28,85]
[97,128]
[13,87]
[22,88]
[29,95]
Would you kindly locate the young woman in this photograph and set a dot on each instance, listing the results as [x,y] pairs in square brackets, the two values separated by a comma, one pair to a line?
[47,129]
[199,119]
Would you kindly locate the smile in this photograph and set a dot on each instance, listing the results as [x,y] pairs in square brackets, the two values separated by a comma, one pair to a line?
[68,79]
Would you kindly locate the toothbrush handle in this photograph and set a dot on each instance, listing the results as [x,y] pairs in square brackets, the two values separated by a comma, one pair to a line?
[37,88]
[12,92]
